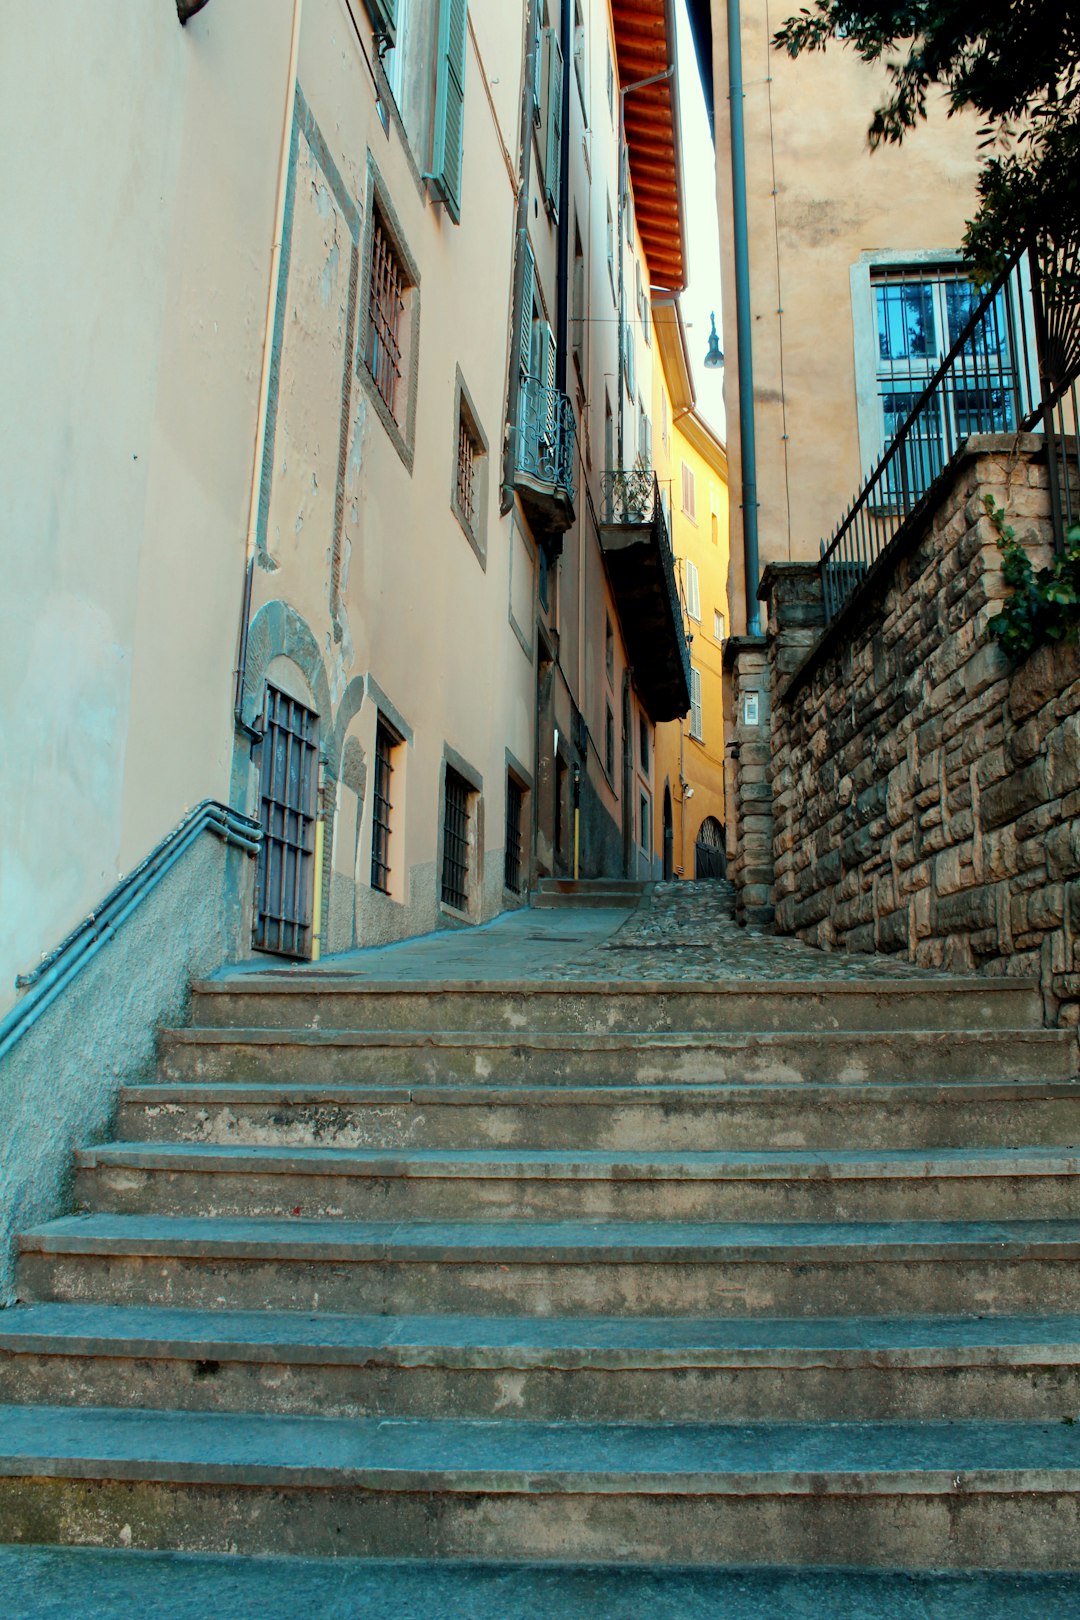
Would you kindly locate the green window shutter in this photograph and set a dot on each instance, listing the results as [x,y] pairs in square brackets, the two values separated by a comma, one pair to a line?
[449,107]
[525,333]
[383,14]
[553,79]
[538,34]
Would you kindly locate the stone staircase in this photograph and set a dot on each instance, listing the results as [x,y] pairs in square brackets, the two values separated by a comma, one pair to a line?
[675,1274]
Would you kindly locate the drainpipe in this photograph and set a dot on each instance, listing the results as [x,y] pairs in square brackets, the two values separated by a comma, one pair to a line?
[562,286]
[264,384]
[747,441]
[521,232]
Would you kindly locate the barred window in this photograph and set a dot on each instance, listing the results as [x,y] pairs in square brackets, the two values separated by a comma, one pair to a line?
[455,859]
[466,473]
[515,799]
[386,309]
[385,741]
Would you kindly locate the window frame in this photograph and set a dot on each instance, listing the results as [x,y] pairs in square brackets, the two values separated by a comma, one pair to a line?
[692,588]
[401,428]
[696,717]
[467,419]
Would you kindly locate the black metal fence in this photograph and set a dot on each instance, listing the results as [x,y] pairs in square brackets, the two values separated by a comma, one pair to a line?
[1011,362]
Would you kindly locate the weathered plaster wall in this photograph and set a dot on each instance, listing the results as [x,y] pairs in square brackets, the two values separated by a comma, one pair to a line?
[817,198]
[926,793]
[59,1084]
[138,213]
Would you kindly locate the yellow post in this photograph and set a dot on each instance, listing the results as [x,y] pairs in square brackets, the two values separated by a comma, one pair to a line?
[316,908]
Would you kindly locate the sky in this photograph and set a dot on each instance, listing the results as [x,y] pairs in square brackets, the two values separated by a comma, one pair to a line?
[703,243]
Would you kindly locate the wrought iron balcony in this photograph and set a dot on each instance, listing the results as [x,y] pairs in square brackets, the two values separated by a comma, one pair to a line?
[545,456]
[641,568]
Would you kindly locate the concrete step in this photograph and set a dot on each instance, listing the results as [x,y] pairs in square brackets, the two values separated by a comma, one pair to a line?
[102,1583]
[334,1056]
[557,1268]
[320,1000]
[586,1369]
[931,1495]
[670,1117]
[185,1178]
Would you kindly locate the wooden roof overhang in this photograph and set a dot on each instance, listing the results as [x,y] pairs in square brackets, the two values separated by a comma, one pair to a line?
[645,47]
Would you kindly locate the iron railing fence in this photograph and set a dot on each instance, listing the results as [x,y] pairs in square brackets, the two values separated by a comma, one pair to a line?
[1012,368]
[633,496]
[546,436]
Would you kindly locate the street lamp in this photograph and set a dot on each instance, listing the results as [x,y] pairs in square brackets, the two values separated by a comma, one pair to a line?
[715,357]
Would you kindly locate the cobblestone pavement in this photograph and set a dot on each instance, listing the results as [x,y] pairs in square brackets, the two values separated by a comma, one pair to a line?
[688,931]
[679,931]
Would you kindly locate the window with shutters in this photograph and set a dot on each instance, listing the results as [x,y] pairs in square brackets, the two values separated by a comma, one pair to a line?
[689,492]
[611,248]
[539,23]
[580,74]
[610,83]
[448,132]
[384,17]
[695,704]
[469,487]
[551,130]
[391,321]
[629,374]
[577,304]
[693,591]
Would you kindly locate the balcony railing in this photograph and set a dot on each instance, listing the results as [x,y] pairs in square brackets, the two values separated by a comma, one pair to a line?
[1012,369]
[631,507]
[546,437]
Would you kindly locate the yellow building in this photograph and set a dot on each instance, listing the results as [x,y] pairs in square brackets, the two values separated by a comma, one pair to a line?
[691,464]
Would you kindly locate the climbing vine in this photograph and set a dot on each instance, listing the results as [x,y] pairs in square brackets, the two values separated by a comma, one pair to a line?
[1043,606]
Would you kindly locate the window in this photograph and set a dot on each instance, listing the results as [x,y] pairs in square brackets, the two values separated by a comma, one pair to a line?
[288,795]
[539,21]
[394,59]
[448,133]
[515,799]
[644,821]
[688,492]
[455,852]
[577,304]
[693,591]
[552,119]
[609,650]
[610,83]
[609,437]
[643,742]
[663,418]
[628,200]
[695,704]
[386,309]
[385,743]
[391,321]
[579,58]
[384,16]
[715,529]
[718,625]
[629,359]
[611,247]
[468,493]
[645,440]
[609,742]
[918,313]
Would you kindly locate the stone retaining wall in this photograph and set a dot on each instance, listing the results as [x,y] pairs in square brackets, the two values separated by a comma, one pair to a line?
[925,791]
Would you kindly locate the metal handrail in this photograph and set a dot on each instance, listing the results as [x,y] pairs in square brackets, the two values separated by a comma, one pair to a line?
[56,970]
[989,388]
[546,436]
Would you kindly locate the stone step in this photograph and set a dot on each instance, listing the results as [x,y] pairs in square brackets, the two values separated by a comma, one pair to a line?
[104,1583]
[558,1268]
[184,1178]
[673,1117]
[321,1000]
[931,1495]
[588,893]
[587,1369]
[333,1056]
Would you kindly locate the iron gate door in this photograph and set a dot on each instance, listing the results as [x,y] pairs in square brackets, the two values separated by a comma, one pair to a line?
[287,810]
[710,855]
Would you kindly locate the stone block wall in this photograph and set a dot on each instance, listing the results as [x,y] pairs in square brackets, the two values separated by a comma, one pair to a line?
[750,822]
[926,791]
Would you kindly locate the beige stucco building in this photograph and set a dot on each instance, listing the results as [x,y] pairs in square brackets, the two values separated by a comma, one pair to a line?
[830,226]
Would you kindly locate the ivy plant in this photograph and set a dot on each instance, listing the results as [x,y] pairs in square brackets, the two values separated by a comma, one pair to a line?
[1043,606]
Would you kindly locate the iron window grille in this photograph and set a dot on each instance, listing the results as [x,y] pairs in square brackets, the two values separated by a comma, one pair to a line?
[386,308]
[515,798]
[385,742]
[288,793]
[466,472]
[455,857]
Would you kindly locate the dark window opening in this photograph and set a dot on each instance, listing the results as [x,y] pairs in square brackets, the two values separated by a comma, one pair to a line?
[515,799]
[386,308]
[455,860]
[643,742]
[609,742]
[385,742]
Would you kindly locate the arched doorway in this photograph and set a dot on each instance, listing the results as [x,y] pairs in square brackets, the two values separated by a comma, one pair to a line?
[669,837]
[710,850]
